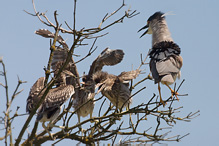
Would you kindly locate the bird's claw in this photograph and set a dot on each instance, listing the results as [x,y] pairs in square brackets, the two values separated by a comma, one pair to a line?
[51,135]
[94,121]
[173,93]
[81,130]
[62,127]
[163,103]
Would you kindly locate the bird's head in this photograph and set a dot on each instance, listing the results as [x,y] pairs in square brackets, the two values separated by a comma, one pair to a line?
[87,83]
[153,19]
[100,77]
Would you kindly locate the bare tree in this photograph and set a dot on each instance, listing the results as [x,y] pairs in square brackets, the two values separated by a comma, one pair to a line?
[109,123]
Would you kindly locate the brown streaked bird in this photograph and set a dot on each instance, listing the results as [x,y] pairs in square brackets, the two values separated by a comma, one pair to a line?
[51,106]
[65,85]
[82,94]
[107,57]
[166,62]
[116,88]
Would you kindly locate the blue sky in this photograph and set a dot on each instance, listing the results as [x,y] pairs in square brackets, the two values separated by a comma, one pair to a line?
[194,27]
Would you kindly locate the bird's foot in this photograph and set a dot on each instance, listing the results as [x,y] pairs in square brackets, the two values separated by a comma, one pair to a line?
[62,127]
[52,136]
[94,121]
[162,102]
[81,130]
[173,93]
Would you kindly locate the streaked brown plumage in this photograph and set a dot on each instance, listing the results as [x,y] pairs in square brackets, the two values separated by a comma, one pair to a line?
[116,88]
[82,94]
[166,62]
[107,57]
[52,104]
[87,92]
[50,108]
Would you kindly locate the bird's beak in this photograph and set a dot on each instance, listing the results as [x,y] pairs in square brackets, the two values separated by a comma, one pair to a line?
[146,26]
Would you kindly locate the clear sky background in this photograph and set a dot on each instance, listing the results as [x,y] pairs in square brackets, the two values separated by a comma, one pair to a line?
[194,28]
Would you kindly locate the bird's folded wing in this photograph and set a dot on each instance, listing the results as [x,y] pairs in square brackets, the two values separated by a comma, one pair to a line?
[167,66]
[57,96]
[34,97]
[59,55]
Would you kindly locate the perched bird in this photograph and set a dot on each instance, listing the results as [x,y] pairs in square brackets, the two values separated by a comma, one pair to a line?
[116,88]
[84,102]
[83,99]
[107,57]
[51,106]
[65,85]
[166,62]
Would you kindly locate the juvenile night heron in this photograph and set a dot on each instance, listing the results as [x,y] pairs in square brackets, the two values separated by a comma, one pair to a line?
[107,57]
[116,88]
[65,86]
[51,106]
[166,62]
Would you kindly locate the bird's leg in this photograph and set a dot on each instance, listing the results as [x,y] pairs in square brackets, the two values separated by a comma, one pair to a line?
[160,95]
[47,130]
[117,102]
[172,91]
[80,129]
[130,116]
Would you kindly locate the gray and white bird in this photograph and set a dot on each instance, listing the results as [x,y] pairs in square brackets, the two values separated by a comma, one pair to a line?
[166,62]
[116,88]
[51,106]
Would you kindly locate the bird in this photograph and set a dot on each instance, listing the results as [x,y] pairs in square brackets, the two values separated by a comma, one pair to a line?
[107,57]
[83,99]
[116,88]
[52,104]
[63,90]
[165,60]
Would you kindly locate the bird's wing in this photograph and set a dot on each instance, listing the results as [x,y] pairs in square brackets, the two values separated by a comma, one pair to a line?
[167,66]
[47,34]
[127,76]
[34,96]
[57,96]
[170,66]
[54,99]
[59,55]
[107,57]
[165,60]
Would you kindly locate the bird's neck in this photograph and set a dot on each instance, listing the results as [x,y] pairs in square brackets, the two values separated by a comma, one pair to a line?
[160,32]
